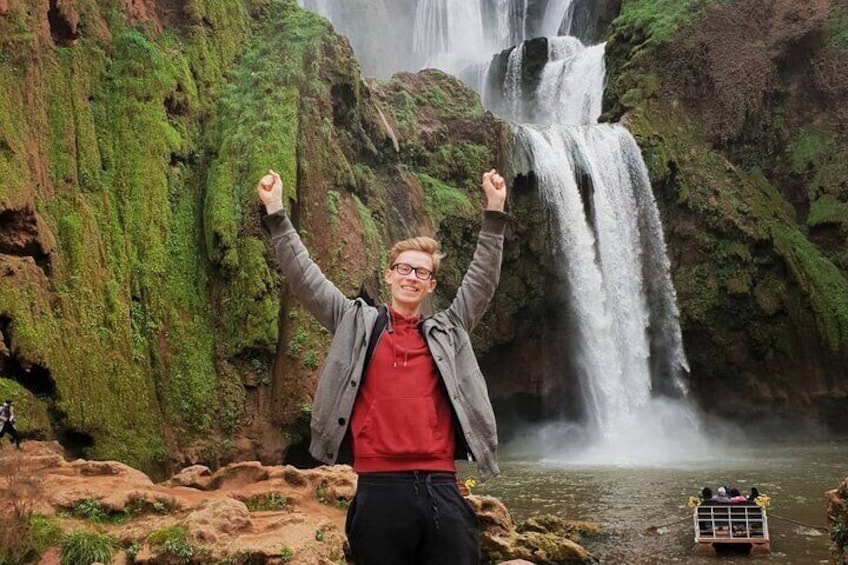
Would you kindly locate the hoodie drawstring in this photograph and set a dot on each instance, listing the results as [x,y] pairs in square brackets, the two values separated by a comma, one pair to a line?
[428,487]
[405,331]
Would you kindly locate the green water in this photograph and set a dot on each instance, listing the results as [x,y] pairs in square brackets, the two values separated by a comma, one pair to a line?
[630,499]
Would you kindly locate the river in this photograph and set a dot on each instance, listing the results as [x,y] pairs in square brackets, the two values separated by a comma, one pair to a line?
[630,499]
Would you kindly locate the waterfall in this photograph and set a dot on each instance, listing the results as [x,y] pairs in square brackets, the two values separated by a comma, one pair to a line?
[572,83]
[626,348]
[449,34]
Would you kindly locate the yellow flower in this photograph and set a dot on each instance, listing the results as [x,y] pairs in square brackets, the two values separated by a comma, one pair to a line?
[470,483]
[693,501]
[762,501]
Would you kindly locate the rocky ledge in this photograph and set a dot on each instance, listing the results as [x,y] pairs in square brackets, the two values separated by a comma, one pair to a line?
[244,513]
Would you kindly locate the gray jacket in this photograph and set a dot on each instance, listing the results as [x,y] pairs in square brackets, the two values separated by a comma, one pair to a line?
[352,321]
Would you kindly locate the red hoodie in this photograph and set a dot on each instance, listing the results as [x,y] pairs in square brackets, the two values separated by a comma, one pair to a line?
[402,418]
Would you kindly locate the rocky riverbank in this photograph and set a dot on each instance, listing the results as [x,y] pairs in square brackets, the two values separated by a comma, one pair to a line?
[243,513]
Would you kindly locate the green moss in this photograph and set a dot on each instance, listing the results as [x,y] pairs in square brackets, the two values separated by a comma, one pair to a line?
[824,285]
[838,25]
[442,200]
[406,113]
[460,162]
[827,210]
[307,338]
[257,130]
[333,204]
[807,147]
[371,235]
[126,336]
[660,18]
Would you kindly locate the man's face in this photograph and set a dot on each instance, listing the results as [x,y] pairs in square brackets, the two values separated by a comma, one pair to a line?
[409,290]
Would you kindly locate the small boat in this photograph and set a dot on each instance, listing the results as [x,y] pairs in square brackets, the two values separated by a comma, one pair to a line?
[741,527]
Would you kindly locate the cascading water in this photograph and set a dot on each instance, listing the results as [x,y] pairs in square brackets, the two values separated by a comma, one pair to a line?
[625,337]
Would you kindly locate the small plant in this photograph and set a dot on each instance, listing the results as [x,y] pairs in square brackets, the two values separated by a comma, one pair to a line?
[319,535]
[321,494]
[132,550]
[333,198]
[90,509]
[274,501]
[297,342]
[86,547]
[45,531]
[173,542]
[140,505]
[310,360]
[286,554]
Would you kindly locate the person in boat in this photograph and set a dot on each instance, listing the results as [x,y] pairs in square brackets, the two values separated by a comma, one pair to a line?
[755,493]
[721,496]
[736,497]
[706,495]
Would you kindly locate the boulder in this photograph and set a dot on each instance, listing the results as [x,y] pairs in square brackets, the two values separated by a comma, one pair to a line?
[195,476]
[218,518]
[541,539]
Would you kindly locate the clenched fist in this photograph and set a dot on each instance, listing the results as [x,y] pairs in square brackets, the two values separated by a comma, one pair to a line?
[270,189]
[494,186]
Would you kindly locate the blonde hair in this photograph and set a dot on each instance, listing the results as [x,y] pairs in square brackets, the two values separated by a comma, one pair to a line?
[423,243]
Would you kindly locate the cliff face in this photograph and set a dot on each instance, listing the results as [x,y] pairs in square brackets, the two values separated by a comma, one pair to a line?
[103,310]
[141,316]
[738,108]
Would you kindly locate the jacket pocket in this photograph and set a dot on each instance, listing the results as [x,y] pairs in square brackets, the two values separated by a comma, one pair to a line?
[398,427]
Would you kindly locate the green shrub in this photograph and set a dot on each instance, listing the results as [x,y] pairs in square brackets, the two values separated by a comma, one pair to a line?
[90,509]
[173,543]
[310,360]
[86,547]
[286,554]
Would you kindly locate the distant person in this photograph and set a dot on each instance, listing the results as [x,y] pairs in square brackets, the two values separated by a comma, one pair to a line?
[754,494]
[721,496]
[736,497]
[7,423]
[706,494]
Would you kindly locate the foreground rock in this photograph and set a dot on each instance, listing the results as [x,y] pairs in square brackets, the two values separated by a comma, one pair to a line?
[837,517]
[541,539]
[242,513]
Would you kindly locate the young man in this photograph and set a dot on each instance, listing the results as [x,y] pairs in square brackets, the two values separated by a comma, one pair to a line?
[404,388]
[7,423]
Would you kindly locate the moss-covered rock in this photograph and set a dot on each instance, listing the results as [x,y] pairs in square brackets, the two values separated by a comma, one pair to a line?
[743,165]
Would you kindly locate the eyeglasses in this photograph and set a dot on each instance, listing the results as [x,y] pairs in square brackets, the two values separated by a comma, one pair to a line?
[420,272]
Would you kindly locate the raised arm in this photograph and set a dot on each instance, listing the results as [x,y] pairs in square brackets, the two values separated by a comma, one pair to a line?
[481,279]
[307,282]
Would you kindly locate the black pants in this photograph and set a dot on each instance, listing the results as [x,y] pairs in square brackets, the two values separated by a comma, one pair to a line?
[9,428]
[412,518]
